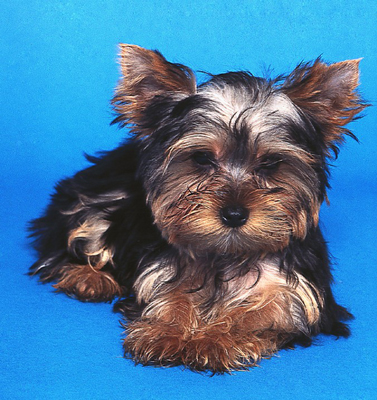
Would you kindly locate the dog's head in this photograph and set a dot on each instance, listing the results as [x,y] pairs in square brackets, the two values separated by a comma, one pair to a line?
[239,163]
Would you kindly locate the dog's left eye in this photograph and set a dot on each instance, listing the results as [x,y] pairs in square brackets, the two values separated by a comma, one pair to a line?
[203,158]
[268,165]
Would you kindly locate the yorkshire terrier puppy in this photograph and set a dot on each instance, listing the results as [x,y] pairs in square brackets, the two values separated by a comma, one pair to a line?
[204,224]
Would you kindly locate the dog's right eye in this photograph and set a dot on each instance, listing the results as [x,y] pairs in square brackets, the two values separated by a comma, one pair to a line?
[203,158]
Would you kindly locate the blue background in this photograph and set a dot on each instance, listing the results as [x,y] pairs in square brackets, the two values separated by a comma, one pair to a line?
[57,74]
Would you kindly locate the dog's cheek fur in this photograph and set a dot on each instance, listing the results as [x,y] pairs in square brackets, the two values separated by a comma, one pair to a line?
[186,206]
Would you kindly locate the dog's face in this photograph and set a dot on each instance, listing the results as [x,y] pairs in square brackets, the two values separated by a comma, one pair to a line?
[237,165]
[232,177]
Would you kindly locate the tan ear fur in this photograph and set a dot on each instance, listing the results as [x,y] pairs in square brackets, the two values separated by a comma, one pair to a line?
[145,75]
[328,94]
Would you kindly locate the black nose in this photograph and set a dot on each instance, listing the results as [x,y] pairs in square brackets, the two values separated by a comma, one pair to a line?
[234,216]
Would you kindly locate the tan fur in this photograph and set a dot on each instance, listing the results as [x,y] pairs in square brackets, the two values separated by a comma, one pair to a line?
[194,214]
[251,321]
[328,92]
[146,75]
[90,232]
[87,283]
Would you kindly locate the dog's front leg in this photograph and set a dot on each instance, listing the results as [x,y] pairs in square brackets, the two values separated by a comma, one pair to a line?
[160,335]
[173,331]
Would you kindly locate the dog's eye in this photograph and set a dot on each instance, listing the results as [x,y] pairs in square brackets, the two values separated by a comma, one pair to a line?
[203,158]
[268,165]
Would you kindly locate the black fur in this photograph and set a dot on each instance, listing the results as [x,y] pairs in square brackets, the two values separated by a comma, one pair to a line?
[135,237]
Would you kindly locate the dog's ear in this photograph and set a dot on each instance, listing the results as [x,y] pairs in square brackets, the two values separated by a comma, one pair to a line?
[145,75]
[328,95]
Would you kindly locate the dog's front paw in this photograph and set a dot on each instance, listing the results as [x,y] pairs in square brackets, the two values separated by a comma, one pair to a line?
[220,353]
[154,343]
[87,283]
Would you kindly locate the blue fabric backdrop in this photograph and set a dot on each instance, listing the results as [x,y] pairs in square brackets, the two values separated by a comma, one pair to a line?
[57,74]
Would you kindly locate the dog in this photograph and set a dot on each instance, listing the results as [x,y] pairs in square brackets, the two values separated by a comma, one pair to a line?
[204,224]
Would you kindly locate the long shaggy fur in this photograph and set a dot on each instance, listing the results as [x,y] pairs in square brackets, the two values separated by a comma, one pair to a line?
[204,224]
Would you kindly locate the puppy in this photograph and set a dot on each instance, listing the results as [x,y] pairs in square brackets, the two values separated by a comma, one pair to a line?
[204,224]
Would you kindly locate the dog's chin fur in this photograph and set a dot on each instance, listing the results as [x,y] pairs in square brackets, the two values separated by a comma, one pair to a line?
[204,224]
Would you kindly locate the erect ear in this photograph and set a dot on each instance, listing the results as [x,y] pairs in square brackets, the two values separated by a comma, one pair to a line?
[328,95]
[145,75]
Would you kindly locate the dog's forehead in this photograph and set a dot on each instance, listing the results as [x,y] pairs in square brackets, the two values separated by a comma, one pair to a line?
[251,114]
[254,105]
[237,120]
[280,104]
